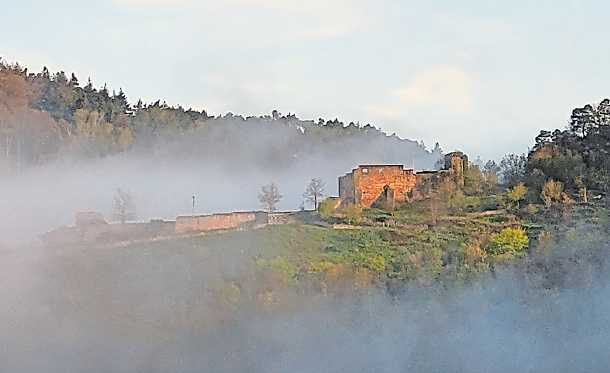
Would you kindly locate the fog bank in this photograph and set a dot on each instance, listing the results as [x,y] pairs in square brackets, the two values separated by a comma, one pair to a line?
[152,310]
[223,176]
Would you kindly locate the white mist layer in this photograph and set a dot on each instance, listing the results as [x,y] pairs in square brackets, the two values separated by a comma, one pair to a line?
[132,311]
[162,184]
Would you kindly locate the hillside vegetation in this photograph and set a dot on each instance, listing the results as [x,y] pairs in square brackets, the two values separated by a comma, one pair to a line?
[280,267]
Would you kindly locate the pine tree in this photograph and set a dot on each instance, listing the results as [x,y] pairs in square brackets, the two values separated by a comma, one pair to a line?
[73,81]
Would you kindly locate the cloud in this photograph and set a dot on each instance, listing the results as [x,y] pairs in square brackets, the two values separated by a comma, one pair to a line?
[448,87]
[313,19]
[436,104]
[292,6]
[385,111]
[156,3]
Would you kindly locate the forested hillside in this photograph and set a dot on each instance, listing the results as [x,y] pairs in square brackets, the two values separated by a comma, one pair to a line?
[45,116]
[578,156]
[571,161]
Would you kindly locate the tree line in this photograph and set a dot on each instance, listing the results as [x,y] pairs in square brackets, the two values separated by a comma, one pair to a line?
[44,116]
[565,164]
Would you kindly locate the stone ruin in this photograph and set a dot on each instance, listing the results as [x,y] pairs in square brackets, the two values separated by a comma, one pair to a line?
[385,186]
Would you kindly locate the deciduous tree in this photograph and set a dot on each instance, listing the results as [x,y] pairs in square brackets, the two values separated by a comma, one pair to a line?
[314,191]
[517,194]
[123,206]
[269,197]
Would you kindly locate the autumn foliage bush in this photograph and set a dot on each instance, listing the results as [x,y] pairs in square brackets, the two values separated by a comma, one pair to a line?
[508,241]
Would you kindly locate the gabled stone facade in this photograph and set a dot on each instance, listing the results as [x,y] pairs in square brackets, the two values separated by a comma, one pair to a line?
[377,185]
[385,186]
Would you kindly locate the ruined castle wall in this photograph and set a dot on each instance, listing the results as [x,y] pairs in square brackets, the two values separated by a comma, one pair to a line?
[276,218]
[206,223]
[370,182]
[136,231]
[457,164]
[387,185]
[426,183]
[346,189]
[104,232]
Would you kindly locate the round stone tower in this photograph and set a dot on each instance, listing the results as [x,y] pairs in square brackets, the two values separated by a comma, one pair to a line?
[457,163]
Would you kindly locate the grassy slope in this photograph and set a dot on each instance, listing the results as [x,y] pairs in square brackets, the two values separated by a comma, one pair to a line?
[303,255]
[202,281]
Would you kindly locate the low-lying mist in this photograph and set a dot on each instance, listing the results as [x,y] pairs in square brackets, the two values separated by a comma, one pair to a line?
[169,306]
[153,309]
[223,175]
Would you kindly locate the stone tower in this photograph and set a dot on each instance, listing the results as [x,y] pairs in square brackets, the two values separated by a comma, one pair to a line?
[457,163]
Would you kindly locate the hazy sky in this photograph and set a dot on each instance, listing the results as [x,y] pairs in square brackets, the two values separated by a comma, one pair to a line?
[481,76]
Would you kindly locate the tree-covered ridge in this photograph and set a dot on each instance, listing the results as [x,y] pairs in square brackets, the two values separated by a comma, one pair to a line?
[44,116]
[566,164]
[578,156]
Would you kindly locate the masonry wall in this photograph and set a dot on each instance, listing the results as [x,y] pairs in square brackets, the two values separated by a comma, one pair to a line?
[370,183]
[346,189]
[103,232]
[276,218]
[457,164]
[206,223]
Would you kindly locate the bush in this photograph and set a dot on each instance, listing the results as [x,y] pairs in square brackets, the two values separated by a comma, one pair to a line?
[552,192]
[285,270]
[457,202]
[327,207]
[490,203]
[509,240]
[532,209]
[517,194]
[473,254]
[376,263]
[473,204]
[353,214]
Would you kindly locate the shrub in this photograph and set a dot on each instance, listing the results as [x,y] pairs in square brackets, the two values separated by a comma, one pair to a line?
[376,263]
[517,194]
[353,214]
[532,209]
[473,204]
[327,208]
[489,203]
[509,240]
[545,243]
[457,202]
[280,266]
[320,266]
[473,254]
[552,192]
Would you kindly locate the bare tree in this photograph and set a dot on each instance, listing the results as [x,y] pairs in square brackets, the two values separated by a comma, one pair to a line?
[269,197]
[314,191]
[123,207]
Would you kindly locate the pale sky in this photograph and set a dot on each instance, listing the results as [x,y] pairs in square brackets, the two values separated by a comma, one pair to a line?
[479,76]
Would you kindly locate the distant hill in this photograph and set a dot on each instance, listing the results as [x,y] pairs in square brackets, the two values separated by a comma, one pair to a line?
[46,116]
